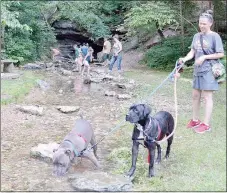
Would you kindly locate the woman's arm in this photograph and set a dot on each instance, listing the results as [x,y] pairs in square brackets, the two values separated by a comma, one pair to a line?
[189,56]
[214,56]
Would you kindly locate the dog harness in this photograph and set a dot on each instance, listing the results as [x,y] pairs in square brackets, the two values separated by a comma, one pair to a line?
[77,154]
[141,135]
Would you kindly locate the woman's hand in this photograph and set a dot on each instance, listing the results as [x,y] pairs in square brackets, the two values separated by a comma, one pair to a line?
[177,75]
[181,60]
[115,54]
[200,60]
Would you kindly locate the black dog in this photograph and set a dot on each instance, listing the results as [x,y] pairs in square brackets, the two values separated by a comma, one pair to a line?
[150,129]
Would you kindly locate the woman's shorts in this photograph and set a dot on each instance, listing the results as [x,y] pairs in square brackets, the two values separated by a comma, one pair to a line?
[205,81]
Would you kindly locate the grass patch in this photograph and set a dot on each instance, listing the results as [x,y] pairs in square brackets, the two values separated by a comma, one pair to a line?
[13,91]
[197,162]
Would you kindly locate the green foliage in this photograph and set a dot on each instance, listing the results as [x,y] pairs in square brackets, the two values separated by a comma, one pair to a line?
[9,18]
[19,46]
[150,15]
[33,39]
[97,18]
[83,13]
[164,55]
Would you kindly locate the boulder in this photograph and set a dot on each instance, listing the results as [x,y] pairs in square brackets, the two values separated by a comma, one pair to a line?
[87,81]
[110,93]
[68,109]
[96,80]
[31,66]
[9,76]
[34,110]
[124,96]
[44,151]
[99,182]
[43,85]
[65,72]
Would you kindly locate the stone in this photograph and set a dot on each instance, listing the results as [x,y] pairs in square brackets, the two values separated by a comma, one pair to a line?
[49,65]
[5,76]
[98,70]
[124,96]
[34,110]
[68,109]
[98,64]
[65,72]
[110,93]
[8,65]
[132,81]
[96,80]
[43,85]
[31,66]
[87,81]
[44,151]
[124,86]
[8,68]
[132,43]
[100,182]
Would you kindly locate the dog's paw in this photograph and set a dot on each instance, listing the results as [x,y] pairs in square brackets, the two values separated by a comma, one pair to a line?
[150,175]
[131,178]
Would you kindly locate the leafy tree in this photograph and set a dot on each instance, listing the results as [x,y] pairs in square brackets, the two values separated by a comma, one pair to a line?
[152,15]
[28,37]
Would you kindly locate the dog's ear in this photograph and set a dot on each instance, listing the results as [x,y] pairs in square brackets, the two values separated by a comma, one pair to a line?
[146,110]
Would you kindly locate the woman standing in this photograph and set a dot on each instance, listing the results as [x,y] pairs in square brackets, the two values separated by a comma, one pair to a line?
[116,57]
[203,78]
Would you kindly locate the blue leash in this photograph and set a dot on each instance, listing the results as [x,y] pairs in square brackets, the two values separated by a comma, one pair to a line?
[177,67]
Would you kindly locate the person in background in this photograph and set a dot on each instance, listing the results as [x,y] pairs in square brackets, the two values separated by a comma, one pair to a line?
[91,51]
[78,58]
[55,52]
[86,61]
[116,57]
[76,50]
[204,81]
[84,50]
[106,51]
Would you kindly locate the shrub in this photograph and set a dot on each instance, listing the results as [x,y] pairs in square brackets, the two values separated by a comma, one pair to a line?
[165,54]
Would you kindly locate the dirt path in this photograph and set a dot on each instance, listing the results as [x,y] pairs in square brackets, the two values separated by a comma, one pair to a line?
[21,132]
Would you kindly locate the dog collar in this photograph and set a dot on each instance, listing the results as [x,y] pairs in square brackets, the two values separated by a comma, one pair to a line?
[77,154]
